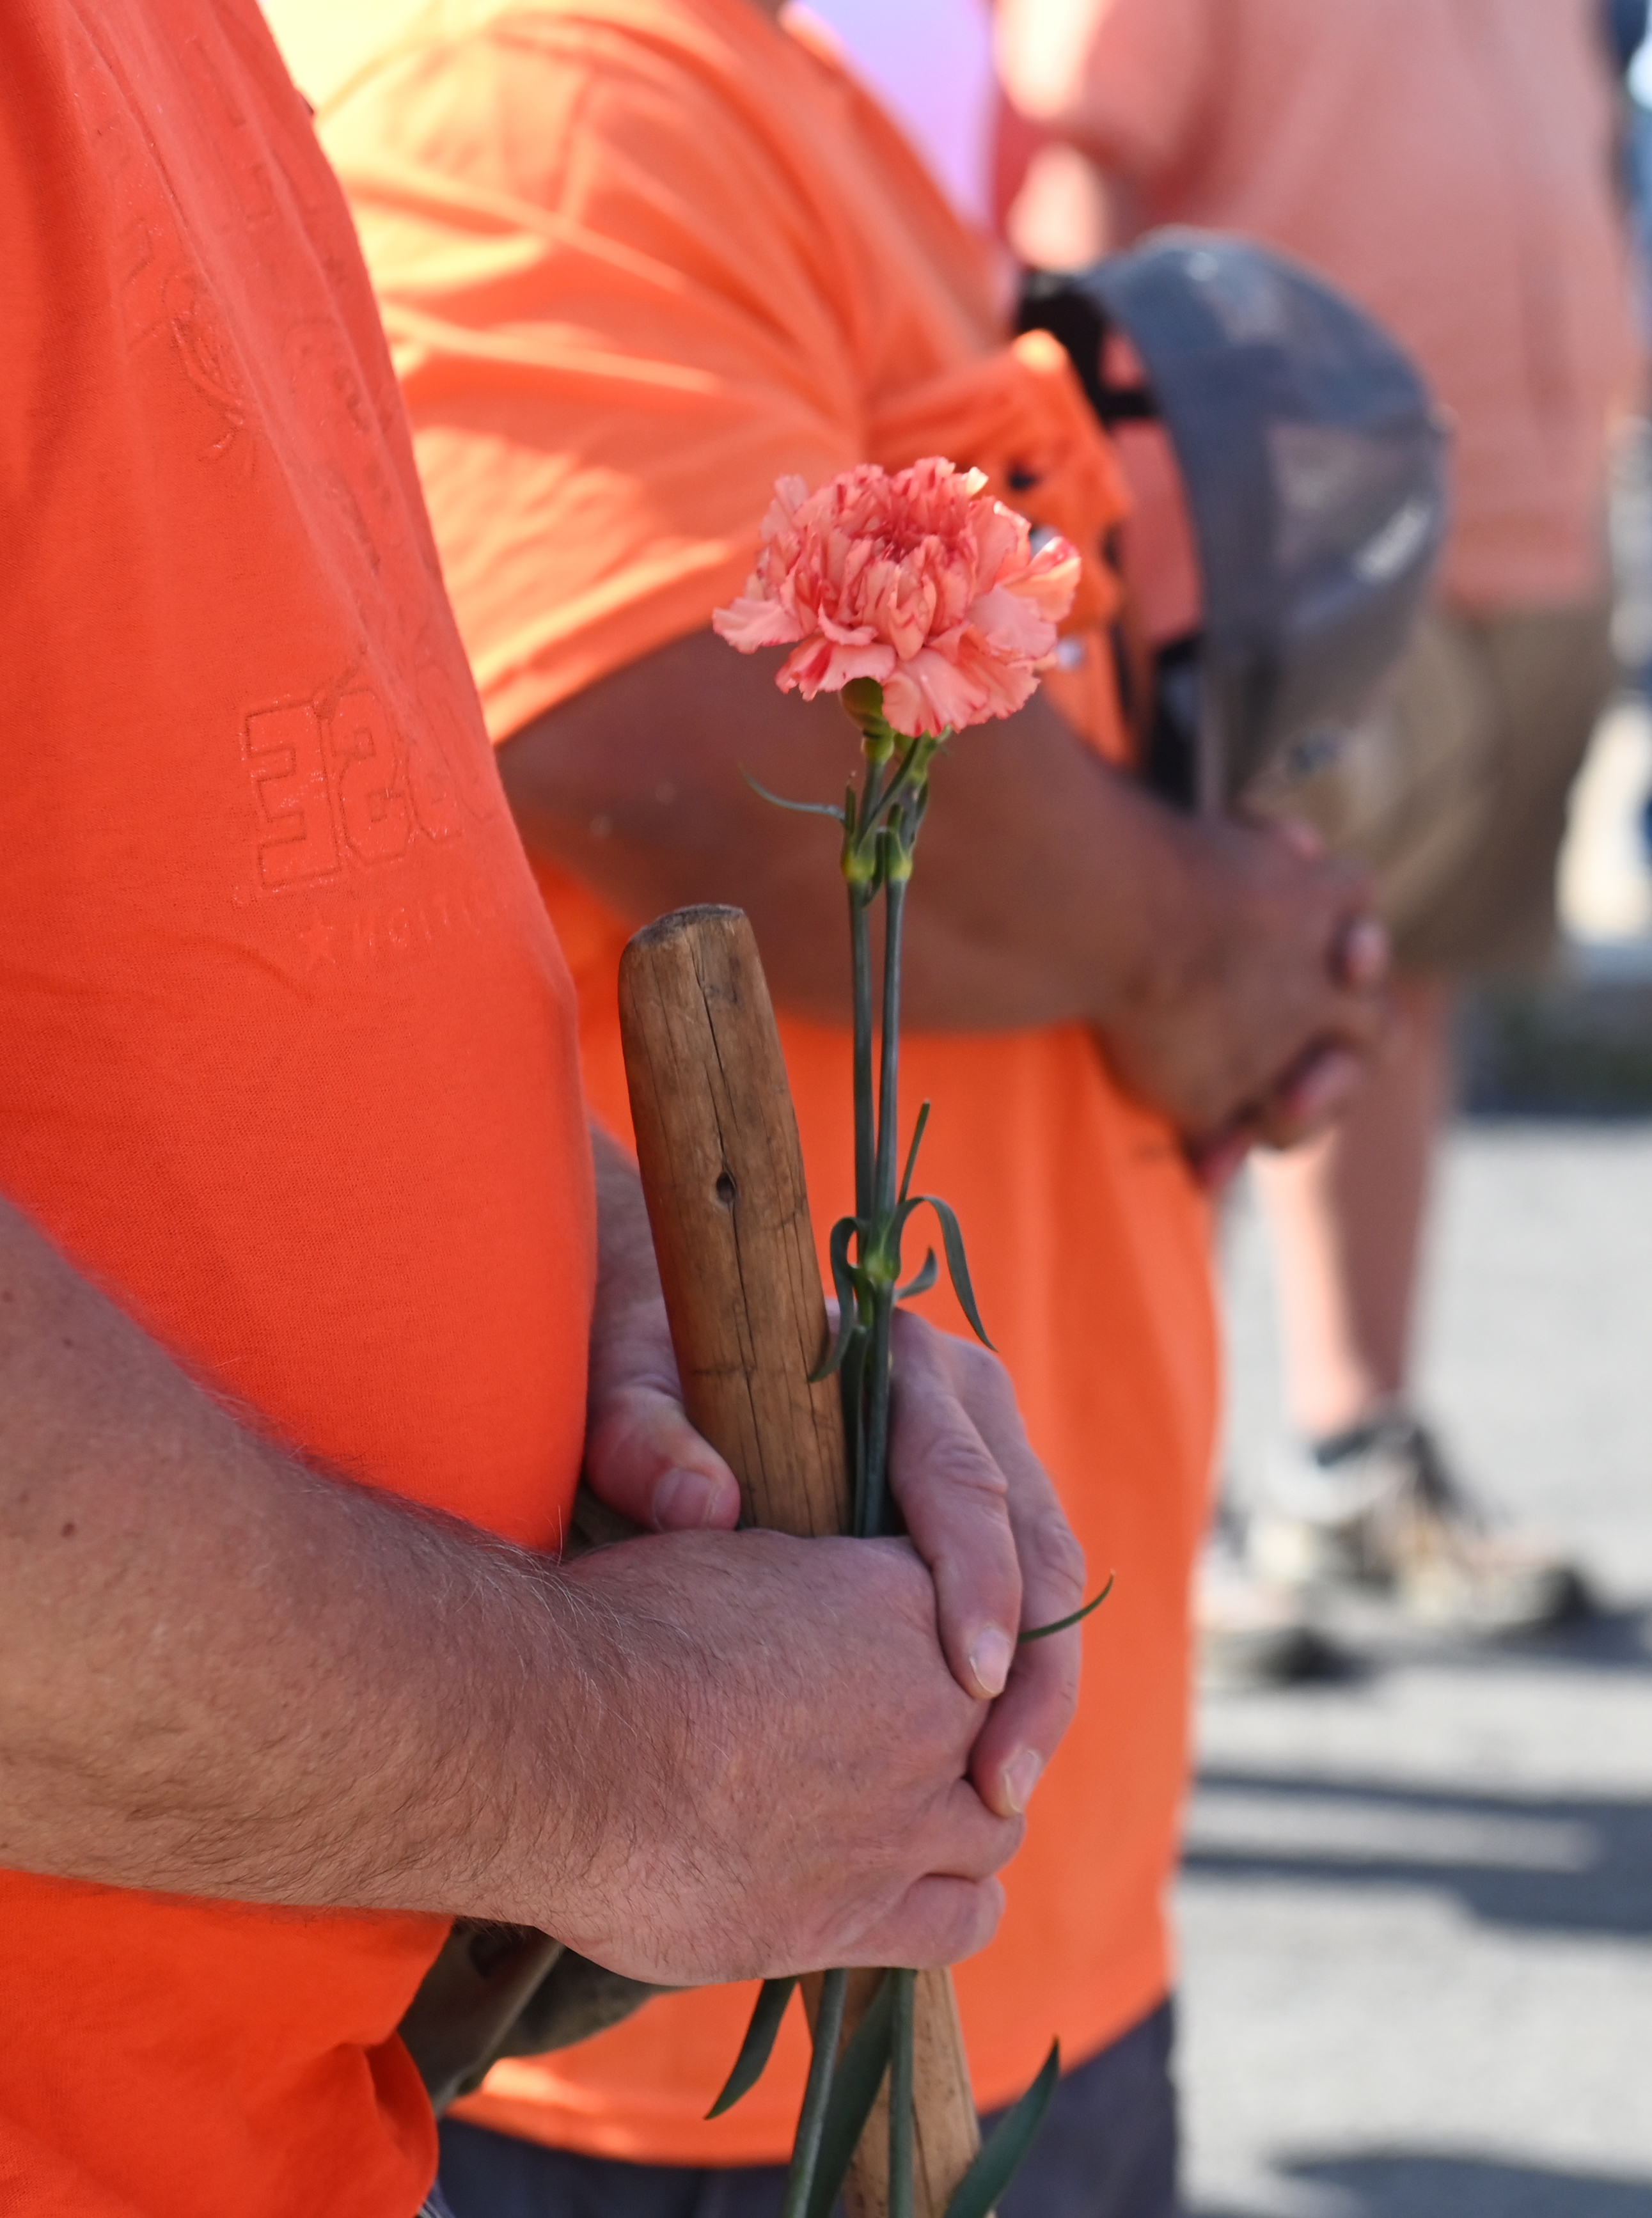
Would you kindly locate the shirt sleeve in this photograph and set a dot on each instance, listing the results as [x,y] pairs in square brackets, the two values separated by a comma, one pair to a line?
[1126,78]
[614,326]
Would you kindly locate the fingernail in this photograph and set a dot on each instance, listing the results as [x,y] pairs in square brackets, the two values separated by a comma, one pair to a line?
[1307,842]
[1326,1086]
[684,1499]
[1020,1777]
[1216,1161]
[990,1660]
[1365,952]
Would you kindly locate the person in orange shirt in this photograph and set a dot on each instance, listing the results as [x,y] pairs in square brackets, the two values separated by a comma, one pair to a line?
[307,1290]
[1450,166]
[637,258]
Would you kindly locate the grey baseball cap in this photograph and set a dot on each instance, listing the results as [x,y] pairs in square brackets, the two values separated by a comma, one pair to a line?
[1312,458]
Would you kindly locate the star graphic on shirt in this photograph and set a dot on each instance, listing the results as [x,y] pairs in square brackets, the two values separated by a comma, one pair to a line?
[318,938]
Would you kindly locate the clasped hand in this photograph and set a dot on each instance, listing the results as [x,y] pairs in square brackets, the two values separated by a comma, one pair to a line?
[864,1731]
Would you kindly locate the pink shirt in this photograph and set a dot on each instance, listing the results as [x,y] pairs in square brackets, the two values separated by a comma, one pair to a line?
[1446,161]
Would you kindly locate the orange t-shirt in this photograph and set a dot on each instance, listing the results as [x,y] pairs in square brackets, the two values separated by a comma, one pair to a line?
[1447,162]
[290,1055]
[637,257]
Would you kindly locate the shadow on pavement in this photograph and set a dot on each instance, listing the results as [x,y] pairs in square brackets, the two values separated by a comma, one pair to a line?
[1360,1639]
[1556,1864]
[1408,2184]
[1604,1640]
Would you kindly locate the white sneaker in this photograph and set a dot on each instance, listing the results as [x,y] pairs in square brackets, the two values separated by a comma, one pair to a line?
[1378,1510]
[1250,1631]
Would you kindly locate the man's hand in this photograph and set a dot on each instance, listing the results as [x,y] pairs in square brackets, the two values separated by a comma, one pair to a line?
[978,1506]
[642,1456]
[985,1518]
[695,1757]
[773,1771]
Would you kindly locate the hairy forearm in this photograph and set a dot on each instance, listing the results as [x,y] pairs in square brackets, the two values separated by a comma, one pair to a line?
[228,1675]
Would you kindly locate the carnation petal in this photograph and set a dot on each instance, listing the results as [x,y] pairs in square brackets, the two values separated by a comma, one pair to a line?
[749,623]
[821,666]
[1050,580]
[920,580]
[945,692]
[1011,625]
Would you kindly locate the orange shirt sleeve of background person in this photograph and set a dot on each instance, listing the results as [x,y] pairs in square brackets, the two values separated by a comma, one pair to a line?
[610,344]
[637,258]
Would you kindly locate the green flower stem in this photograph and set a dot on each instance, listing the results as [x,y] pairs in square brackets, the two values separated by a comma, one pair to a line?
[901,2059]
[806,2150]
[874,1506]
[883,1260]
[881,825]
[897,871]
[860,942]
[880,830]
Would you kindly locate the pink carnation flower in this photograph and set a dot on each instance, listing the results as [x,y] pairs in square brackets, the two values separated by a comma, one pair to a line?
[919,580]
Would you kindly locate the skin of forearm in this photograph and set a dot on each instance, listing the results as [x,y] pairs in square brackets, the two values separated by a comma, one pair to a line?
[1048,884]
[231,1676]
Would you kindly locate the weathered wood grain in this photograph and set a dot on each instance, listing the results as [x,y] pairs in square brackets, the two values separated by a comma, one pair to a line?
[723,1173]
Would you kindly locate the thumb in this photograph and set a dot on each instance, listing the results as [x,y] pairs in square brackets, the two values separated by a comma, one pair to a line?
[644,1458]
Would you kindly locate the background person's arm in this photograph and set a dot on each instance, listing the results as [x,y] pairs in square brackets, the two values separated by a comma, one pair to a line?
[1211,958]
[698,1756]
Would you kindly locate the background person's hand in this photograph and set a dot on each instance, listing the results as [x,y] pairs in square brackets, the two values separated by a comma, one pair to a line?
[1266,1001]
[775,1760]
[1316,1092]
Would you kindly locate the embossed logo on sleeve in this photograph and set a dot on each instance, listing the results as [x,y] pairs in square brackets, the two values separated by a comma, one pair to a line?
[290,782]
[351,784]
[378,819]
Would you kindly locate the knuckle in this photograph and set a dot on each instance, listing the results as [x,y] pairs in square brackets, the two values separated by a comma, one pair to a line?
[981,1375]
[970,1480]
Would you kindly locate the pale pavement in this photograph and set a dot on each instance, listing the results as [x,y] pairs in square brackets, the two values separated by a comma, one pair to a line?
[1418,1904]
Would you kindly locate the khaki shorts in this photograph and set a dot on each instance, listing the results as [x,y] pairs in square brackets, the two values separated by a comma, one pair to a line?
[1454,791]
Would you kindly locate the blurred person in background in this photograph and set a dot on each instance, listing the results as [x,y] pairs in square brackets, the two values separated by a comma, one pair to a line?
[1448,163]
[638,258]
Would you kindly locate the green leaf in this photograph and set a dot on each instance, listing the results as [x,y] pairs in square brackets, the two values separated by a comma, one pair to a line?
[956,1262]
[758,2045]
[843,1281]
[797,808]
[925,1279]
[912,1152]
[854,2089]
[1000,2158]
[902,2120]
[817,2093]
[1043,1631]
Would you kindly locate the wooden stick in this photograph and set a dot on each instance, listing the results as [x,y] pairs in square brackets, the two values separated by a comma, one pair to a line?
[723,1173]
